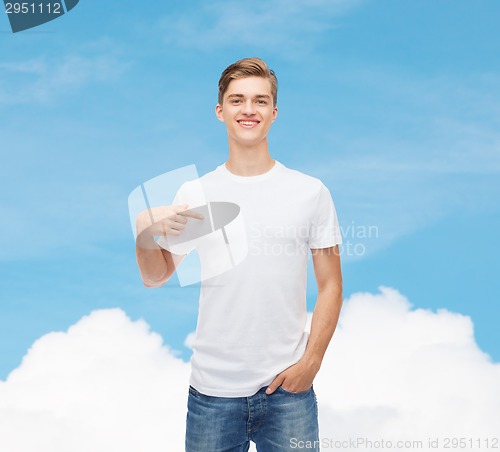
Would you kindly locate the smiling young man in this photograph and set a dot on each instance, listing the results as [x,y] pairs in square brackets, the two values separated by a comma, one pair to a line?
[253,364]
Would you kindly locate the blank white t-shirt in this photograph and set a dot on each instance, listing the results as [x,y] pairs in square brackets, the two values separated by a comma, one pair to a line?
[252,317]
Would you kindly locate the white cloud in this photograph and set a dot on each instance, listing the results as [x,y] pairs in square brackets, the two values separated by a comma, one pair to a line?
[289,28]
[107,384]
[397,372]
[392,372]
[188,342]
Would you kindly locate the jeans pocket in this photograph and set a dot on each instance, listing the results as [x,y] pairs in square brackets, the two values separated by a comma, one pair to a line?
[294,393]
[194,392]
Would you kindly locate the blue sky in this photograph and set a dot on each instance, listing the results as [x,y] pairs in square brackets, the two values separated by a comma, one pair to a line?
[394,105]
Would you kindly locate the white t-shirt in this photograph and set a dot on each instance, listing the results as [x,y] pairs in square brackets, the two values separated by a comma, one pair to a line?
[252,317]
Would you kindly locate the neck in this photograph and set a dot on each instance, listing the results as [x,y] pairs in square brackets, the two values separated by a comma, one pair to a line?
[249,161]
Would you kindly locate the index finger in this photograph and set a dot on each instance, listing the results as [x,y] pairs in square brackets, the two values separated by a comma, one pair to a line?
[192,214]
[278,381]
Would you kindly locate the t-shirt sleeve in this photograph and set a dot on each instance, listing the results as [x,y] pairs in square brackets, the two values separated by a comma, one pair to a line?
[324,231]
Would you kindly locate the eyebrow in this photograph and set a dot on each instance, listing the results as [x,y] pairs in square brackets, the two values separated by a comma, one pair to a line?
[258,96]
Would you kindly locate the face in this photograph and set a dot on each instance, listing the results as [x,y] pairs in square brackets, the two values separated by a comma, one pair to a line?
[247,110]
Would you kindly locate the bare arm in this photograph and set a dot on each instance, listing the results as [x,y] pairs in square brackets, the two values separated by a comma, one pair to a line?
[328,304]
[156,265]
[300,376]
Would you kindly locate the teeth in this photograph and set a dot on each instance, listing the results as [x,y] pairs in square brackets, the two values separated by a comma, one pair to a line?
[248,123]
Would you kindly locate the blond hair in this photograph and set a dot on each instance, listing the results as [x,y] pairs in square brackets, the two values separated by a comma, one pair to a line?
[248,67]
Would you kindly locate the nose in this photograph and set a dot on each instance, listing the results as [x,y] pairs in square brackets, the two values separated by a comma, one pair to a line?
[248,107]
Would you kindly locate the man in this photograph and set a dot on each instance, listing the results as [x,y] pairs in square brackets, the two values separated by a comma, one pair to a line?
[253,365]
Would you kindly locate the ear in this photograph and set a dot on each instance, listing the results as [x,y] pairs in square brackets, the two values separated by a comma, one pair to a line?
[218,112]
[275,113]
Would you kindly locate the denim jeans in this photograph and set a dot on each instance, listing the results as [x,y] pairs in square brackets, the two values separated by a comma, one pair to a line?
[282,421]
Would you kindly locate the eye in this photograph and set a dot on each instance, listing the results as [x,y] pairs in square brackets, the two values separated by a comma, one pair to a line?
[235,101]
[262,102]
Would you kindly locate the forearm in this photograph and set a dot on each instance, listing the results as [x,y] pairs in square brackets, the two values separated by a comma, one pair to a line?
[153,267]
[324,322]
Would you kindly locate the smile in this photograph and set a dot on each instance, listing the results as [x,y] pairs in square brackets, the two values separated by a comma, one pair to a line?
[248,123]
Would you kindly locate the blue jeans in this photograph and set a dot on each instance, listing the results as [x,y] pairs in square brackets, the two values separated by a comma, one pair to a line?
[282,421]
